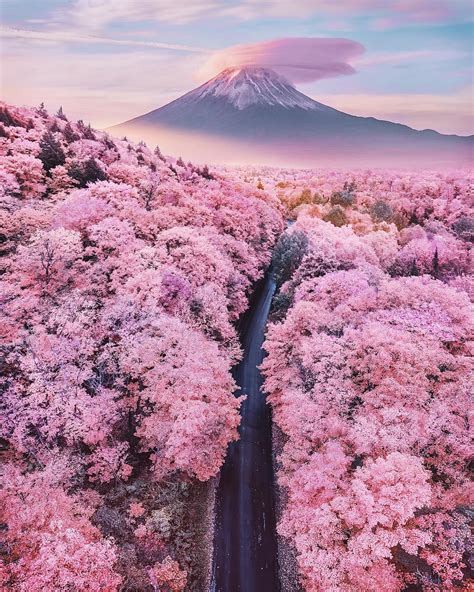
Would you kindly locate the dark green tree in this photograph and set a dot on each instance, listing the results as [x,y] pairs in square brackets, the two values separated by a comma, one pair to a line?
[287,255]
[69,134]
[158,153]
[51,154]
[414,268]
[42,110]
[381,211]
[85,130]
[6,117]
[87,172]
[61,114]
[435,271]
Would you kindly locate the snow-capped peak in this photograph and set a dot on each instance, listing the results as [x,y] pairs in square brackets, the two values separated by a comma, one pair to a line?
[252,85]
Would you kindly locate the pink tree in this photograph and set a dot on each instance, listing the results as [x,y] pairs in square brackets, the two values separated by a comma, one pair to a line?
[51,539]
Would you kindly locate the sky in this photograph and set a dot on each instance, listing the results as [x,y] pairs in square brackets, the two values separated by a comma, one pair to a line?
[105,61]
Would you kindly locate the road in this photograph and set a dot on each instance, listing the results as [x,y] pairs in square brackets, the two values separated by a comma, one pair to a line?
[245,544]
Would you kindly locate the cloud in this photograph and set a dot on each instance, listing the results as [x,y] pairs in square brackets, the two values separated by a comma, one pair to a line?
[299,59]
[383,13]
[95,15]
[68,37]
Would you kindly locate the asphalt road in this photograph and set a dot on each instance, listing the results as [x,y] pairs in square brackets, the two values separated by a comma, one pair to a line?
[245,544]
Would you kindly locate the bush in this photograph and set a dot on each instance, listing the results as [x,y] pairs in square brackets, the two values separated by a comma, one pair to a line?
[319,199]
[306,196]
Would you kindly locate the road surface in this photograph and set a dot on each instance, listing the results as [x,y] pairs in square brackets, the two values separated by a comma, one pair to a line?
[245,544]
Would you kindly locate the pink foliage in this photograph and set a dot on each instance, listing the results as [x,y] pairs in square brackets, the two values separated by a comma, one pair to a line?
[368,378]
[122,279]
[28,172]
[123,274]
[136,510]
[167,576]
[53,544]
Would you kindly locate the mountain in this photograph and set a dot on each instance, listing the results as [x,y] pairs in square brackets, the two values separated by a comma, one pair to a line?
[257,105]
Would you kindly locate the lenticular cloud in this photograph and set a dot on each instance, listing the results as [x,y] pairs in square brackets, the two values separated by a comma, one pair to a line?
[299,59]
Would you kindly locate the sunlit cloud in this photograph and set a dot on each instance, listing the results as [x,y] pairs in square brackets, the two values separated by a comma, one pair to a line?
[303,59]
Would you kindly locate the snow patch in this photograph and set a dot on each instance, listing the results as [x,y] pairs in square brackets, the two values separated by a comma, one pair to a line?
[247,86]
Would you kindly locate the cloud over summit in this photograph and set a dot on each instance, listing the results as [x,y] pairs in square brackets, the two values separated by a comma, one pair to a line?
[299,59]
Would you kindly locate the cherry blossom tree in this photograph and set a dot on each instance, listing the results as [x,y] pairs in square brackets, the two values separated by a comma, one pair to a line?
[52,543]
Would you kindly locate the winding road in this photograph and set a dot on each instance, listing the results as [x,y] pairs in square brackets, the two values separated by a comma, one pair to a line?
[245,543]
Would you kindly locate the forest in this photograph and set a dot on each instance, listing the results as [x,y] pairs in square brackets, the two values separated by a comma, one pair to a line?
[124,276]
[369,375]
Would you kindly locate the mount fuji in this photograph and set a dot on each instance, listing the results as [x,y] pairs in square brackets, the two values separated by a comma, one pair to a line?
[260,109]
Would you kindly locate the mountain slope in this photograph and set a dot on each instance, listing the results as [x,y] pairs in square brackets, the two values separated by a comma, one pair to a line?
[256,104]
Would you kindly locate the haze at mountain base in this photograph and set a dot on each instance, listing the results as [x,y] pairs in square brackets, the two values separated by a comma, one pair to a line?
[253,115]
